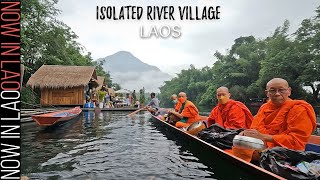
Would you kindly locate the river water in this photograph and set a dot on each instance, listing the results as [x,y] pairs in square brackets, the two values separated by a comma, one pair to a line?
[110,145]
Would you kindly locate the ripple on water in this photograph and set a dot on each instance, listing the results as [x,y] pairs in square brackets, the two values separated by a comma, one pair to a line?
[108,146]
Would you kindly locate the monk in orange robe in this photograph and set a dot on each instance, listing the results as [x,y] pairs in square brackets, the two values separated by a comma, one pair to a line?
[229,113]
[188,112]
[175,102]
[282,121]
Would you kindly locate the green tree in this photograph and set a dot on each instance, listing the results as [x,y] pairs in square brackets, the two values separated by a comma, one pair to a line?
[142,96]
[46,40]
[307,43]
[116,86]
[250,64]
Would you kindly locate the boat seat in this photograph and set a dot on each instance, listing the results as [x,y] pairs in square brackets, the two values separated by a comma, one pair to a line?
[313,144]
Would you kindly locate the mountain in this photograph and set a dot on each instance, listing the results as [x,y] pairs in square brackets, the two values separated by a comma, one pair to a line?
[132,73]
[124,61]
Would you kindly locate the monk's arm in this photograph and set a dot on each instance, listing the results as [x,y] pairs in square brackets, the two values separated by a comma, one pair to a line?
[189,111]
[177,107]
[256,134]
[257,119]
[237,117]
[298,132]
[211,118]
[176,114]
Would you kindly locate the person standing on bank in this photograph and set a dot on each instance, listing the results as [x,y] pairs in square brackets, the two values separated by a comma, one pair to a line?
[134,96]
[101,94]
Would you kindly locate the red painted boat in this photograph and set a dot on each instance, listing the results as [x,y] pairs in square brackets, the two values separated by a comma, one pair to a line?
[53,118]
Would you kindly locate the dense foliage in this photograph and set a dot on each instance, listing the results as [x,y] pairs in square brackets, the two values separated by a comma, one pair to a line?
[46,40]
[250,63]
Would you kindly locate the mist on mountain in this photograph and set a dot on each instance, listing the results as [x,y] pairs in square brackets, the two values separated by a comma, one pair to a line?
[132,73]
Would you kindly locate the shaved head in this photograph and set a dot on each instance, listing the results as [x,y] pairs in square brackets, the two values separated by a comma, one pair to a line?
[182,97]
[182,94]
[277,81]
[223,89]
[173,96]
[278,90]
[223,95]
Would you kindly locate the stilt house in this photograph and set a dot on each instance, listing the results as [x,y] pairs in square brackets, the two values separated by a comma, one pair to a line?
[64,85]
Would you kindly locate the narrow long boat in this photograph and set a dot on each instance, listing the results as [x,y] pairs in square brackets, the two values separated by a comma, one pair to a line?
[56,117]
[248,167]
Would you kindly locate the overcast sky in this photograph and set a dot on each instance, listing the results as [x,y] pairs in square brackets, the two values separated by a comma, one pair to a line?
[198,40]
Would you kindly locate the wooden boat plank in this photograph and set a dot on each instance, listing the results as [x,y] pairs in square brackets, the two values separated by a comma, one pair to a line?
[233,159]
[30,112]
[25,120]
[314,140]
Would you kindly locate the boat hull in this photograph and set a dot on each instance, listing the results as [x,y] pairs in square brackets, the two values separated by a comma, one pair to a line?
[57,117]
[249,168]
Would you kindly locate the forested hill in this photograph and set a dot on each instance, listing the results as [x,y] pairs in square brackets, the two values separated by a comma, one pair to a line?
[124,61]
[251,62]
[132,73]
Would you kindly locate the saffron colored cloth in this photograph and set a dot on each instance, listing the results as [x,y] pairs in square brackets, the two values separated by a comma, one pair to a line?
[291,124]
[189,111]
[180,124]
[232,115]
[177,106]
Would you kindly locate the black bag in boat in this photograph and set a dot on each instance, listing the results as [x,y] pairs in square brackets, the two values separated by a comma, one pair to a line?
[282,162]
[218,136]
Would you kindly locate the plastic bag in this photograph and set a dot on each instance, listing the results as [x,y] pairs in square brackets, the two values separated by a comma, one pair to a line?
[218,136]
[283,162]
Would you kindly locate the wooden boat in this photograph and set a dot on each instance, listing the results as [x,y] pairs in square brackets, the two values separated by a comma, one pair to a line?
[244,165]
[56,117]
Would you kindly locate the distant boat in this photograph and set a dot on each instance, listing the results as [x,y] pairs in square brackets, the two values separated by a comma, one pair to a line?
[56,117]
[256,102]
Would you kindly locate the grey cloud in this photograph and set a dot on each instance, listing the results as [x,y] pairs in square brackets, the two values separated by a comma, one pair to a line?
[249,17]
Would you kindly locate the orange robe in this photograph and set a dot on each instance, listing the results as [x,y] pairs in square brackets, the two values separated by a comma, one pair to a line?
[232,115]
[177,106]
[291,125]
[191,112]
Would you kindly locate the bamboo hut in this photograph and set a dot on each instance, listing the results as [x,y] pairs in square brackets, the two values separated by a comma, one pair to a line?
[64,85]
[111,92]
[101,82]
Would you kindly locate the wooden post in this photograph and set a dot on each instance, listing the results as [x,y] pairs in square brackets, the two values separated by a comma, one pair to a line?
[21,74]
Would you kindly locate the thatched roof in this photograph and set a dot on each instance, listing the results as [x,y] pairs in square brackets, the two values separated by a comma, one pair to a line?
[100,81]
[111,91]
[57,76]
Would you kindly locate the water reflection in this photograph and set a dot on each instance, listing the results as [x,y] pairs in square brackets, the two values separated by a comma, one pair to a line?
[111,145]
[89,117]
